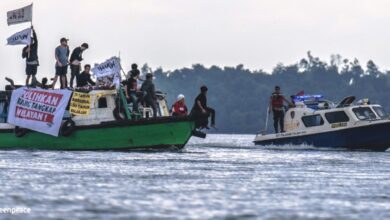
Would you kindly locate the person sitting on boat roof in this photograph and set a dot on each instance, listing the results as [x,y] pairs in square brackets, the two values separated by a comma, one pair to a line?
[44,84]
[30,53]
[200,111]
[277,107]
[150,93]
[84,79]
[131,87]
[179,108]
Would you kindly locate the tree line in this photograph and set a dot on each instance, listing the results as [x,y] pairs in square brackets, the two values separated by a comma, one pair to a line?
[241,96]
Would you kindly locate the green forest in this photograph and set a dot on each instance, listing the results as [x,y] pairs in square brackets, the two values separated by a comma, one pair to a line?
[240,96]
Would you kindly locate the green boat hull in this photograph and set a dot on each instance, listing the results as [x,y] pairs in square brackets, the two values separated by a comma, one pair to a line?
[116,135]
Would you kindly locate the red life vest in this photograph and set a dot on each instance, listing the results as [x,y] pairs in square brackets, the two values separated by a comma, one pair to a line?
[179,108]
[277,101]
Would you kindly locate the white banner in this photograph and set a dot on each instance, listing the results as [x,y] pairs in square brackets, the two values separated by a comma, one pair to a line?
[109,81]
[109,67]
[20,15]
[22,37]
[37,109]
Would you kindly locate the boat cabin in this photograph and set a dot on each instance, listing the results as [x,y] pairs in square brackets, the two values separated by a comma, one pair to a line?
[323,115]
[104,103]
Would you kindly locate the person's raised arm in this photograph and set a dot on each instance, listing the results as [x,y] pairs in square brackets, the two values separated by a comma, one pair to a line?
[34,36]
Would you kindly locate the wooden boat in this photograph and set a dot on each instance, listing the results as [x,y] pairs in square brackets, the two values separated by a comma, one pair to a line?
[107,127]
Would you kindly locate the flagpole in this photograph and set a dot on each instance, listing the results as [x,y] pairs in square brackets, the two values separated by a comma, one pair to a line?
[32,10]
[121,65]
[29,46]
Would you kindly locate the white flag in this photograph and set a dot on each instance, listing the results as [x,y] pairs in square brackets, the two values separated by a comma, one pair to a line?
[109,67]
[22,37]
[20,15]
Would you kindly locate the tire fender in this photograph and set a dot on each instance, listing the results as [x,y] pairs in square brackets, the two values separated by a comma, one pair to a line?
[67,128]
[20,132]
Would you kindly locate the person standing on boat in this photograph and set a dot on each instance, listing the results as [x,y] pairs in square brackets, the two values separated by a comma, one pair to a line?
[149,91]
[61,55]
[277,108]
[179,108]
[75,62]
[84,78]
[131,87]
[30,53]
[201,111]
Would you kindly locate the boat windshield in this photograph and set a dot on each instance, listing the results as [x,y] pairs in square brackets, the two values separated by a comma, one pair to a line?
[364,113]
[381,112]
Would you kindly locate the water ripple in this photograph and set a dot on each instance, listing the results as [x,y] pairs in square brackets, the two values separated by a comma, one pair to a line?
[222,177]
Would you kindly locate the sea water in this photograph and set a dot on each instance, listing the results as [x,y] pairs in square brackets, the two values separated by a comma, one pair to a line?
[221,177]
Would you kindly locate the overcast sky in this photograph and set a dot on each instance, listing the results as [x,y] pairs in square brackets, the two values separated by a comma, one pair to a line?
[178,33]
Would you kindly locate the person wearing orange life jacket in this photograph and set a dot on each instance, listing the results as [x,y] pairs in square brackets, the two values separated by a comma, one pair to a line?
[276,105]
[179,108]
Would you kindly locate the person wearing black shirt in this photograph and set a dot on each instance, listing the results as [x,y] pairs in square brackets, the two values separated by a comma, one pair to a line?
[75,59]
[84,78]
[131,89]
[150,93]
[30,53]
[201,111]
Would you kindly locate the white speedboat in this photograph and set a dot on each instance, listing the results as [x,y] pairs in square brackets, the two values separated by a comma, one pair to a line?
[318,122]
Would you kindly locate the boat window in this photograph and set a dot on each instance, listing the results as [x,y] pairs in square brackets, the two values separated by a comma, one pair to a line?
[336,117]
[381,112]
[102,102]
[3,115]
[3,106]
[312,120]
[364,113]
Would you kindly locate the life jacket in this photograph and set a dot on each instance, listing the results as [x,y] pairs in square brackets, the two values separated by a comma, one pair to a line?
[179,108]
[277,101]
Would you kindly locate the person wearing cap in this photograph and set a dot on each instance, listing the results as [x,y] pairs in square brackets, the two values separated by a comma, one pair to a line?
[179,108]
[276,106]
[30,53]
[149,91]
[75,62]
[61,55]
[131,88]
[201,111]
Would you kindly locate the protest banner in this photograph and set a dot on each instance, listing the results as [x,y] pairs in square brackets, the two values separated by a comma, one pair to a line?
[21,37]
[20,15]
[108,73]
[108,67]
[38,110]
[80,103]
